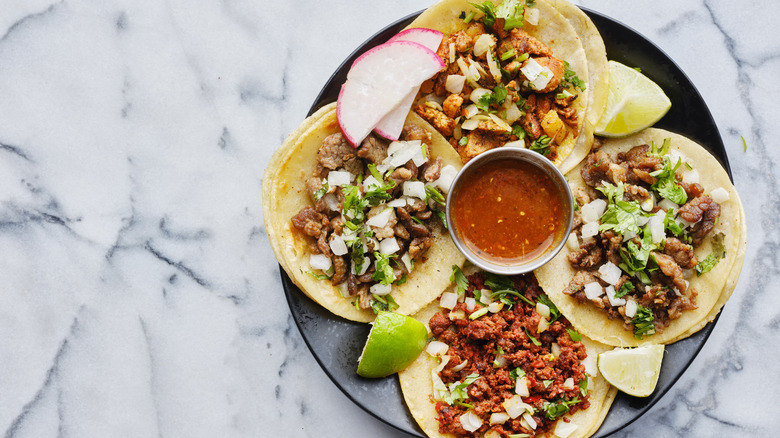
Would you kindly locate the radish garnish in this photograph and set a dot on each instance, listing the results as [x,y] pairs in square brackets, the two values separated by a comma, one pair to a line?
[377,83]
[392,124]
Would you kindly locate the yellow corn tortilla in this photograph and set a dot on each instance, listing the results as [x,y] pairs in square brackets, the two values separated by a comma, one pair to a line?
[554,30]
[284,195]
[713,288]
[417,387]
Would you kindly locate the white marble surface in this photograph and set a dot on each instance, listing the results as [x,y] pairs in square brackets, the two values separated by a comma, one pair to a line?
[138,294]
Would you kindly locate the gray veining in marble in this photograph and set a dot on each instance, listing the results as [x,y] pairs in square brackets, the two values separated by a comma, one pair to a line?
[138,294]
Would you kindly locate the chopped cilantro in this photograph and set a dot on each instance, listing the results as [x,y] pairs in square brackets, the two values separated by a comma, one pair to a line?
[547,383]
[374,172]
[518,131]
[457,390]
[554,312]
[621,216]
[555,409]
[384,271]
[516,373]
[635,257]
[325,276]
[322,191]
[496,98]
[489,9]
[718,252]
[382,303]
[512,12]
[576,337]
[666,185]
[533,339]
[624,289]
[671,224]
[459,279]
[584,387]
[662,151]
[570,77]
[643,322]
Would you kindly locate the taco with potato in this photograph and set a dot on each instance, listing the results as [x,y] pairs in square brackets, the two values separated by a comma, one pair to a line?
[658,241]
[503,361]
[516,73]
[361,228]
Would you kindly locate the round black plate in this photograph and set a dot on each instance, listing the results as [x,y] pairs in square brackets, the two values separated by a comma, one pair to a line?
[337,343]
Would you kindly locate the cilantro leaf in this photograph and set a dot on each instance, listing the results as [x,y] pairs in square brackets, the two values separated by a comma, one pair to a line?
[635,257]
[555,409]
[322,191]
[533,339]
[666,185]
[662,151]
[489,9]
[457,390]
[541,145]
[624,289]
[671,224]
[718,252]
[576,337]
[512,12]
[384,271]
[554,312]
[643,322]
[497,97]
[516,373]
[459,279]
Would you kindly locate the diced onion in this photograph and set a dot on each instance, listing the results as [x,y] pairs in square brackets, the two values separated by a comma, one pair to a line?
[531,17]
[476,69]
[564,429]
[531,422]
[543,325]
[493,66]
[470,124]
[593,290]
[415,189]
[631,308]
[498,418]
[339,178]
[454,84]
[460,366]
[478,93]
[648,204]
[572,242]
[542,80]
[641,221]
[656,224]
[501,124]
[437,348]
[515,406]
[491,434]
[452,53]
[515,144]
[615,302]
[590,229]
[485,297]
[381,219]
[592,211]
[448,300]
[471,110]
[591,366]
[543,309]
[395,203]
[610,273]
[667,204]
[320,261]
[470,421]
[371,183]
[495,307]
[500,362]
[521,387]
[691,177]
[400,152]
[513,113]
[470,303]
[457,314]
[719,195]
[482,44]
[446,177]
[343,289]
[331,201]
[363,268]
[531,69]
[555,349]
[568,383]
[389,246]
[407,261]
[380,289]
[337,245]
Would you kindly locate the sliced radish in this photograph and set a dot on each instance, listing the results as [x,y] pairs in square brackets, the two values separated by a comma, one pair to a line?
[392,124]
[378,81]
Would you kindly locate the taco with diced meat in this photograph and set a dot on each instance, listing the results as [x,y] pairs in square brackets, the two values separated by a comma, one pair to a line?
[503,361]
[362,229]
[658,241]
[516,73]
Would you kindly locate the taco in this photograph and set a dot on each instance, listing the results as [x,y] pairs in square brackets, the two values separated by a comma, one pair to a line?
[503,363]
[360,229]
[658,242]
[515,74]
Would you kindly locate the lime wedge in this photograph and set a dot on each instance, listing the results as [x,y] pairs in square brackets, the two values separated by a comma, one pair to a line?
[632,370]
[634,102]
[393,343]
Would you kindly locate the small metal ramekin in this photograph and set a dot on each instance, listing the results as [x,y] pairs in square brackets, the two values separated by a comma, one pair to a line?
[538,161]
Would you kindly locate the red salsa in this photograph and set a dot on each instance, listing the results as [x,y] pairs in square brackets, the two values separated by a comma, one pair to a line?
[508,211]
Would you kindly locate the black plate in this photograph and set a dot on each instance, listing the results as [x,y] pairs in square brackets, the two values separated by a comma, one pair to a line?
[337,343]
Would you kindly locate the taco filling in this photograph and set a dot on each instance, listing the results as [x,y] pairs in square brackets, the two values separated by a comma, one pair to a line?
[501,85]
[642,215]
[374,211]
[511,365]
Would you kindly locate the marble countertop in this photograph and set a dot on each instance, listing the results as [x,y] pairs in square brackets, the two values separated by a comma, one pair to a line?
[138,294]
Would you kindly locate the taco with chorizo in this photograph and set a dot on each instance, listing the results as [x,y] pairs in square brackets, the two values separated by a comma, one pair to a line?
[658,241]
[503,361]
[361,229]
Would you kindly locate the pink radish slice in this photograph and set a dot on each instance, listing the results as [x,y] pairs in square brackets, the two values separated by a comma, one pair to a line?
[392,124]
[378,81]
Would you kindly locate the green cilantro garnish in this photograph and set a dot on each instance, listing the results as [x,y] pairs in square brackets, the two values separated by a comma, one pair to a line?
[547,383]
[718,252]
[533,339]
[384,271]
[516,373]
[620,216]
[643,322]
[635,257]
[570,77]
[671,224]
[554,312]
[584,387]
[512,12]
[518,131]
[661,152]
[489,9]
[375,173]
[497,97]
[322,191]
[459,279]
[457,390]
[555,409]
[576,337]
[666,185]
[326,276]
[624,289]
[383,303]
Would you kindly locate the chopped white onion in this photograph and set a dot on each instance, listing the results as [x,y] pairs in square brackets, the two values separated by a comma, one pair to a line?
[543,309]
[363,268]
[564,429]
[470,303]
[691,177]
[400,152]
[531,69]
[530,420]
[485,297]
[543,325]
[568,383]
[380,289]
[615,302]
[454,84]
[381,219]
[495,307]
[515,144]
[371,183]
[495,69]
[572,242]
[648,204]
[464,68]
[555,349]
[590,229]
[415,189]
[542,80]
[656,224]
[501,124]
[337,244]
[631,308]
[610,273]
[460,366]
[593,290]
[720,195]
[470,421]
[515,406]
[471,110]
[395,203]
[531,17]
[457,314]
[628,235]
[470,124]
[448,300]
[437,348]
[521,387]
[498,418]
[482,44]
[407,261]
[389,246]
[343,289]
[641,221]
[446,176]
[331,201]
[339,178]
[591,366]
[320,261]
[593,210]
[513,113]
[667,204]
[477,93]
[500,362]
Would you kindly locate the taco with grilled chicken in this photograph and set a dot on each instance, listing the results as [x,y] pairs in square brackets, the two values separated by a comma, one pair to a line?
[516,73]
[658,241]
[362,229]
[503,361]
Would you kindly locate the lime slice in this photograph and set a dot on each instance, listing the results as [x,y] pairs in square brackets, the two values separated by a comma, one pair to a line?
[632,370]
[634,102]
[393,343]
